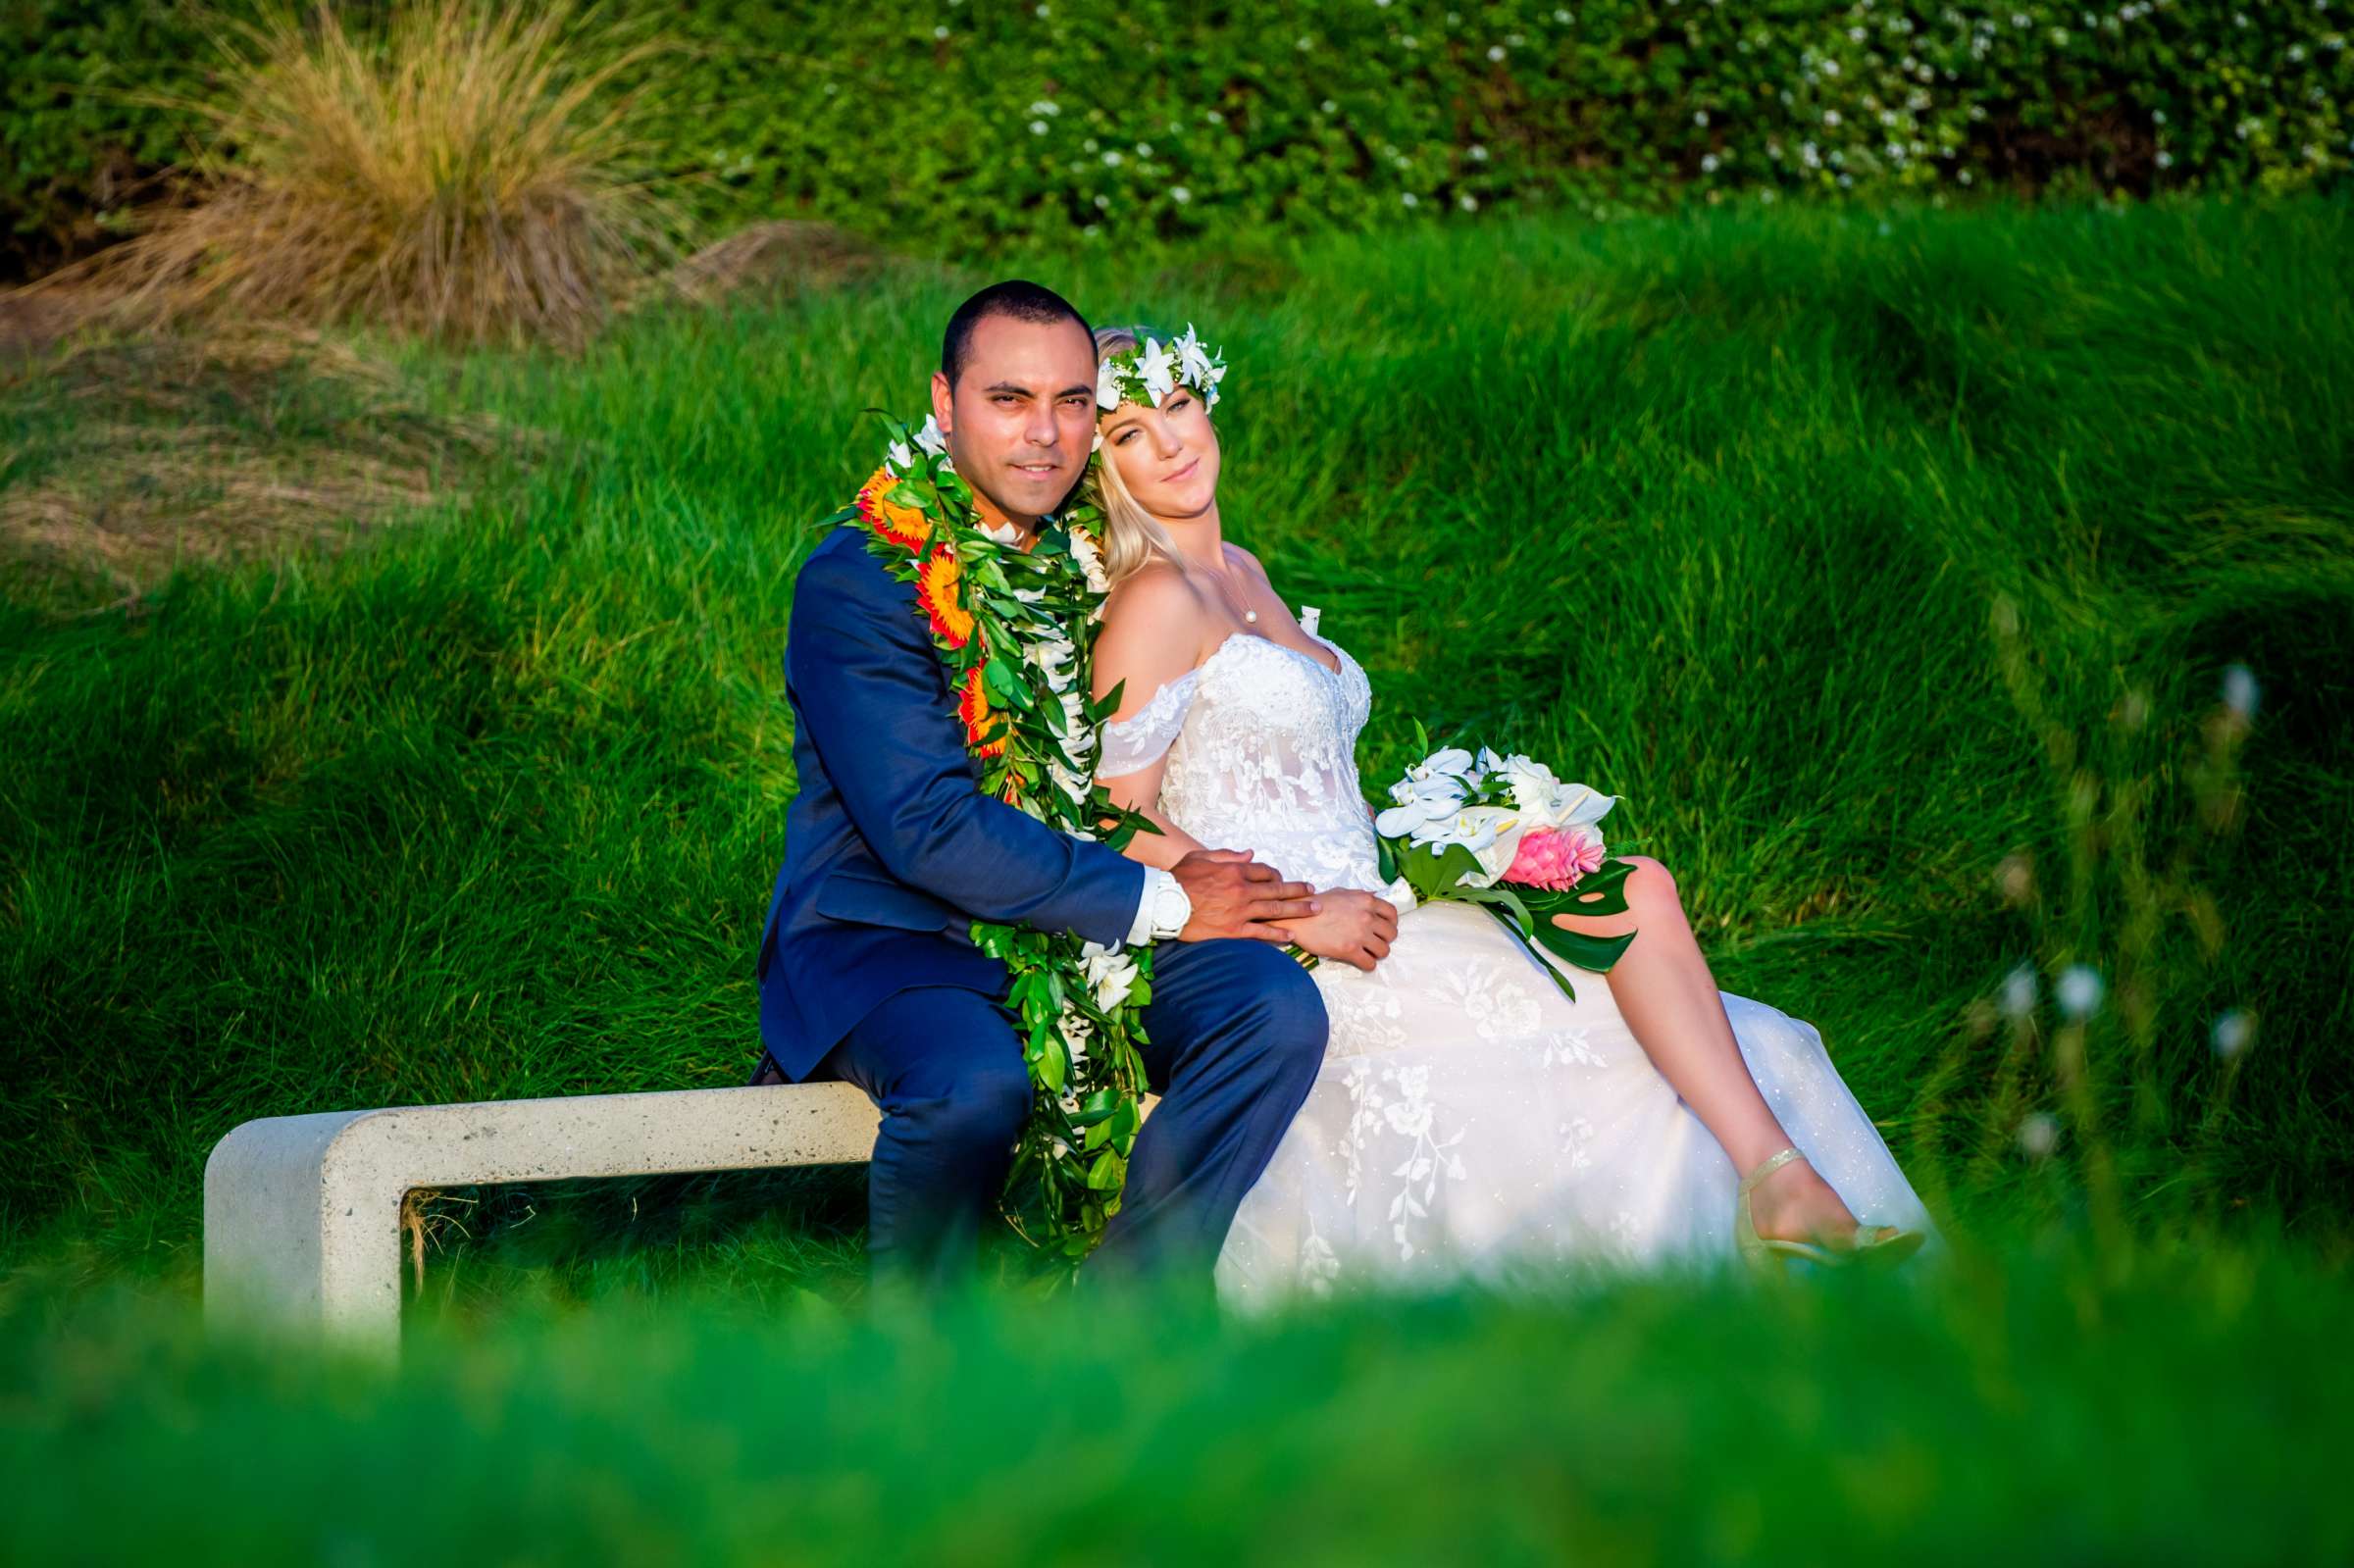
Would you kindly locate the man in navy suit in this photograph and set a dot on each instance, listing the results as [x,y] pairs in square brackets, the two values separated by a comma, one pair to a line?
[867,971]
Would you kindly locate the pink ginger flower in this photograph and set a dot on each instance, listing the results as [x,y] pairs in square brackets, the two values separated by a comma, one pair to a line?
[1555,858]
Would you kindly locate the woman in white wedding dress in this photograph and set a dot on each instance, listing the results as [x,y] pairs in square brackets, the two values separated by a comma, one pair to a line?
[1469,1118]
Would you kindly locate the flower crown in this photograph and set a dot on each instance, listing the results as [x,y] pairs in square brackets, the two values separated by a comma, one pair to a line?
[1148,375]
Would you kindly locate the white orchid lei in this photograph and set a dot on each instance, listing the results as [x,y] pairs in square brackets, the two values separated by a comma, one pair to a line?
[1010,628]
[1152,372]
[1506,833]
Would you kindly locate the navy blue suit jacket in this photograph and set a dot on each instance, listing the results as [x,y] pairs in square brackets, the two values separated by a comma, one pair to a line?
[891,850]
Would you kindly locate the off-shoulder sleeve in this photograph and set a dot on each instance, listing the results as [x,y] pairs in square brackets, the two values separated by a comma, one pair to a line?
[1140,741]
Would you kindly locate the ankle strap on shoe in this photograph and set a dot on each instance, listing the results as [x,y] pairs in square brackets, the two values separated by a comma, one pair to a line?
[1771,1165]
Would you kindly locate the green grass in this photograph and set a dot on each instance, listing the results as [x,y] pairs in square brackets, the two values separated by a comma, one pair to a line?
[1867,556]
[1714,512]
[2004,1410]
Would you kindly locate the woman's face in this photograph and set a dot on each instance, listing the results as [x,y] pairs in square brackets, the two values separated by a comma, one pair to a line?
[1168,456]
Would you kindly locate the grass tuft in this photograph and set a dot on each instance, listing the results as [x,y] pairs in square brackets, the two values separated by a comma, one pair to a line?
[457,169]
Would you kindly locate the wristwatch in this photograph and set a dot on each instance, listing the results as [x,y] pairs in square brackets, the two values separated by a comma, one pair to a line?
[1172,910]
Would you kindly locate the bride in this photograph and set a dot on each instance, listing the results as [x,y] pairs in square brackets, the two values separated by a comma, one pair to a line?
[1468,1117]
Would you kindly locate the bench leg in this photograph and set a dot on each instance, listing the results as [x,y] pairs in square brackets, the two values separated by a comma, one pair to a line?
[299,1241]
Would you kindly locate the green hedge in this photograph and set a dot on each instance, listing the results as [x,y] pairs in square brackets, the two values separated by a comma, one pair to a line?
[970,123]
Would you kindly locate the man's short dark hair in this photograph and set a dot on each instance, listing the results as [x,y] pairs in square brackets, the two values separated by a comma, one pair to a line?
[1016,298]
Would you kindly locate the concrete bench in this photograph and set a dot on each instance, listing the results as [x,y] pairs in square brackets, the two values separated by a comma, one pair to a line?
[302,1213]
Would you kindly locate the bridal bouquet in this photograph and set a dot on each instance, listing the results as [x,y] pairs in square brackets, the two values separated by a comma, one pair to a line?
[1504,833]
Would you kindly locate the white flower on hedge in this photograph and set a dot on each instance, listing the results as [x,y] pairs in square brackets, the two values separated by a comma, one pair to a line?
[2079,990]
[1110,975]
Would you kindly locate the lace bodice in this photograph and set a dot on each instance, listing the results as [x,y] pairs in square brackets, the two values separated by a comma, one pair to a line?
[1262,746]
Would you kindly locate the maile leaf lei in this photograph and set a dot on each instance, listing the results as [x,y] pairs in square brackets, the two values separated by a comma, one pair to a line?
[1013,631]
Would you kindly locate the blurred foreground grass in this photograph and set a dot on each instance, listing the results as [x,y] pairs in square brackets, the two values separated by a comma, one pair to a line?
[2006,1407]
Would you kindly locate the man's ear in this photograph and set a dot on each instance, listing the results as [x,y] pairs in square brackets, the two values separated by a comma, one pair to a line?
[943,404]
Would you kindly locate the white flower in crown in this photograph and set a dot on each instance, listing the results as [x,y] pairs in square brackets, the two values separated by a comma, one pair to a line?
[1158,368]
[1149,375]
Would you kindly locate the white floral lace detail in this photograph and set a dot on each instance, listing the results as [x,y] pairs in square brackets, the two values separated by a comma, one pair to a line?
[1137,740]
[1265,760]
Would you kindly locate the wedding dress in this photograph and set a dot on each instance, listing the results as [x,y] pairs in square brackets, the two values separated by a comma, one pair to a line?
[1468,1119]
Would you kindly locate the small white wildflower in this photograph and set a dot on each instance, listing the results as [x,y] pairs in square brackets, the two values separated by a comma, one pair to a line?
[1830,117]
[1707,164]
[1478,152]
[2038,1135]
[1467,202]
[1410,199]
[2232,1033]
[2240,694]
[1038,128]
[1328,105]
[2019,992]
[1495,51]
[2079,990]
[1700,117]
[1113,158]
[940,32]
[1180,195]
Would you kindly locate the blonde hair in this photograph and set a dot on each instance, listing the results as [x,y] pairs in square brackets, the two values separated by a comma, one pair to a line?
[1132,535]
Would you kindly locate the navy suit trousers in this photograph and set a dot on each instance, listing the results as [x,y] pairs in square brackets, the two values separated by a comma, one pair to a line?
[1235,1032]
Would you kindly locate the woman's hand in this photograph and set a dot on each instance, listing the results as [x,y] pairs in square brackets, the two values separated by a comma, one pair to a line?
[1356,928]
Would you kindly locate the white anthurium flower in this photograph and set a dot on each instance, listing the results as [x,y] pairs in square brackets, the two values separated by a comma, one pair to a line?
[1572,805]
[1159,367]
[1110,974]
[928,439]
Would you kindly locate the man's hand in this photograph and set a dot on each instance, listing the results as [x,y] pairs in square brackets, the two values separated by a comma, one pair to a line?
[1355,927]
[1235,896]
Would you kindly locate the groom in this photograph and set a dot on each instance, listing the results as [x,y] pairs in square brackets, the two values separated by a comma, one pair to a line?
[866,970]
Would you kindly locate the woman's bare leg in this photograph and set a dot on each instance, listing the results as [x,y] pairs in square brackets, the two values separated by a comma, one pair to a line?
[1670,1000]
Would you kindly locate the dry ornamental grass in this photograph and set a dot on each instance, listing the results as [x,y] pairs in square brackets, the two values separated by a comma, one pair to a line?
[459,172]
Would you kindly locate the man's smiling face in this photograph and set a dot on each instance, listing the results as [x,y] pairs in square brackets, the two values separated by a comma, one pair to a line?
[1021,417]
